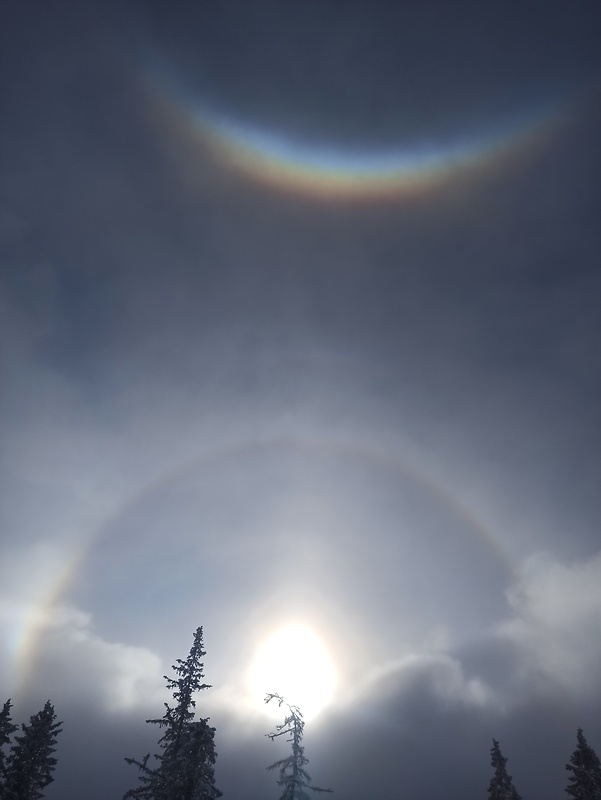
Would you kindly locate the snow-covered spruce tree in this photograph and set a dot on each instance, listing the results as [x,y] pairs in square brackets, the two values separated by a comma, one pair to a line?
[31,763]
[585,778]
[7,728]
[294,778]
[185,767]
[501,784]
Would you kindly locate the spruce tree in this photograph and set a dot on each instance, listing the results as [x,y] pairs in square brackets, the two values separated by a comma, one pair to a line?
[184,769]
[7,728]
[585,779]
[294,778]
[31,762]
[501,784]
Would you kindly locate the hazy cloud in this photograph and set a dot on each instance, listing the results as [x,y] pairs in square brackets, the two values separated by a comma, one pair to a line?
[64,655]
[556,627]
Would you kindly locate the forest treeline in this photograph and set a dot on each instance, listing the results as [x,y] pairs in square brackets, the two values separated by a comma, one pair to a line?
[184,769]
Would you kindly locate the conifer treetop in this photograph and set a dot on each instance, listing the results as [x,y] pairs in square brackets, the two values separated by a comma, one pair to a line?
[585,768]
[501,784]
[184,767]
[30,766]
[294,778]
[7,728]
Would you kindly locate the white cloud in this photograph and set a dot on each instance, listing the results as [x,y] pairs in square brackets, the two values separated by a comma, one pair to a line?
[556,627]
[437,675]
[59,651]
[549,645]
[446,679]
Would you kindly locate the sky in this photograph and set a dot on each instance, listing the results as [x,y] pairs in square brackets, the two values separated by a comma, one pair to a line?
[300,334]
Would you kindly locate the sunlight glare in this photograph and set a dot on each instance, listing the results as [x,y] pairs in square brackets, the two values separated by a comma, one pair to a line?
[294,663]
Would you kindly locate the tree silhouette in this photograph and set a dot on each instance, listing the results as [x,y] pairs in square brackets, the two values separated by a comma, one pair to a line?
[501,784]
[585,779]
[294,778]
[31,762]
[185,768]
[7,728]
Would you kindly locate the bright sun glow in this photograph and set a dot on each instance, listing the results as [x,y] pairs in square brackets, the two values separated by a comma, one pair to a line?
[294,663]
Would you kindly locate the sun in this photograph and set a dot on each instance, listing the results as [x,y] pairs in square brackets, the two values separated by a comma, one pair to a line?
[294,663]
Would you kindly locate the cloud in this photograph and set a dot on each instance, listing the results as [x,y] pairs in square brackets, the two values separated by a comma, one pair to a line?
[547,649]
[62,654]
[436,677]
[406,706]
[556,624]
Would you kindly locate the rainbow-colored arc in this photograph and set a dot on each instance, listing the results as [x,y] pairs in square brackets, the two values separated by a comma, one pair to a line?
[25,634]
[286,164]
[280,161]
